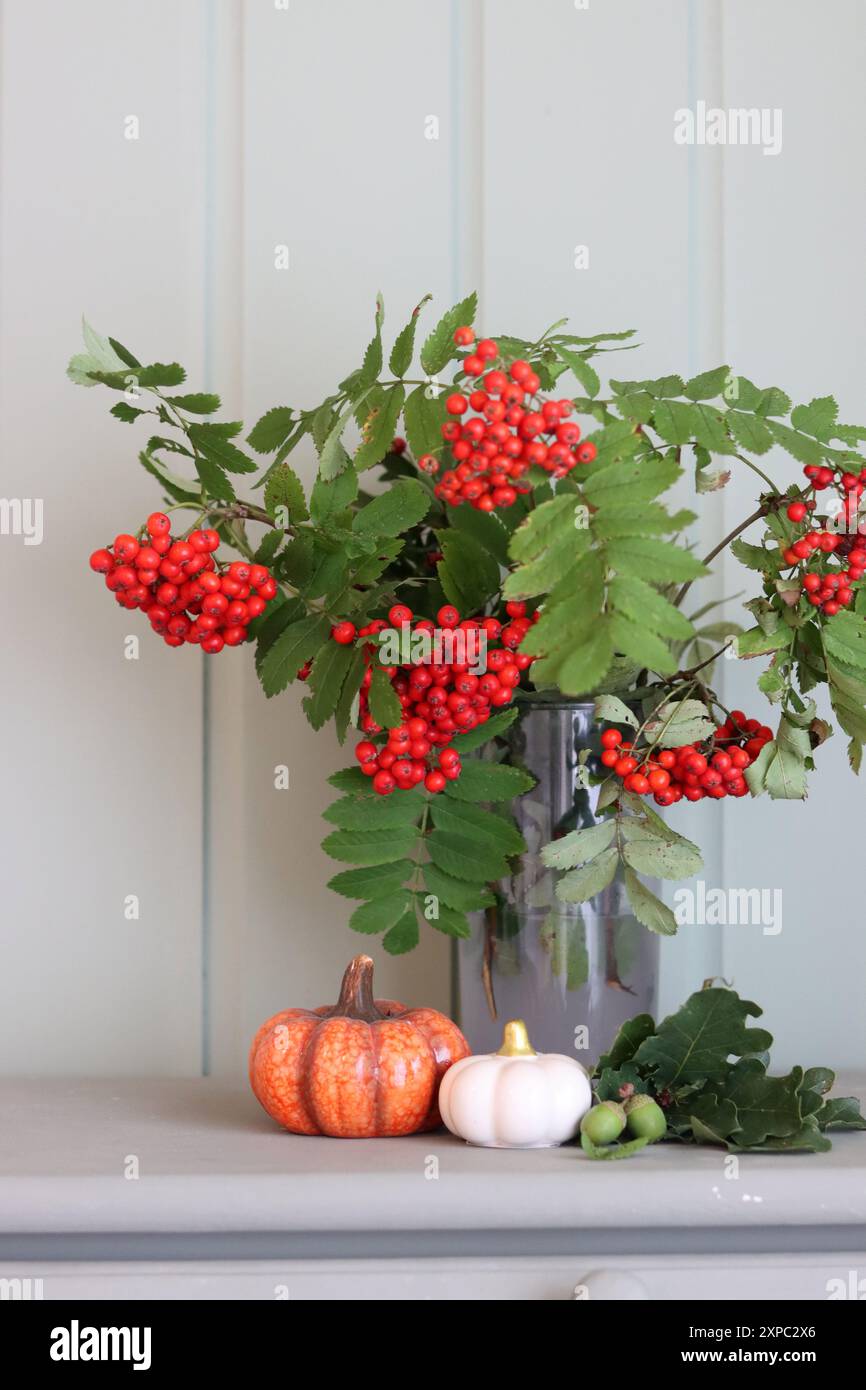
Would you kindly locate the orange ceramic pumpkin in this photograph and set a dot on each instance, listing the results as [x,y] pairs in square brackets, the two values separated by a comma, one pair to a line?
[357,1069]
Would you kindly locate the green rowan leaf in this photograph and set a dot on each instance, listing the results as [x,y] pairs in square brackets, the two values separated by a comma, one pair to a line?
[374,881]
[297,644]
[580,885]
[456,892]
[579,846]
[272,430]
[404,504]
[647,907]
[378,914]
[439,348]
[284,489]
[369,847]
[469,575]
[385,706]
[580,369]
[481,781]
[381,430]
[707,385]
[453,856]
[641,603]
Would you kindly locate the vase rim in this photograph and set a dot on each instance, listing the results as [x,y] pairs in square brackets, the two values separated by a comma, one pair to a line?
[540,701]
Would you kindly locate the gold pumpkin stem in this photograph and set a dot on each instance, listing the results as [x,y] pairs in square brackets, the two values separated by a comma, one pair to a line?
[515,1040]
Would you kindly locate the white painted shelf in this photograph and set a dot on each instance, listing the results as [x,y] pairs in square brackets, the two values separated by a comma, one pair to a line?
[209,1162]
[187,1190]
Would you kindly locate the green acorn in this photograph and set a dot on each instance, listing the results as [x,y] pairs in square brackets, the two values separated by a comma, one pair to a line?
[604,1123]
[645,1119]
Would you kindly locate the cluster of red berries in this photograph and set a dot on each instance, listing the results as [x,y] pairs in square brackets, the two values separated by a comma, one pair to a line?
[185,593]
[831,590]
[716,769]
[506,436]
[439,699]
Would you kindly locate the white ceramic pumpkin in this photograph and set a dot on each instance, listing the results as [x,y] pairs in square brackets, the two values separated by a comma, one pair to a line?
[515,1098]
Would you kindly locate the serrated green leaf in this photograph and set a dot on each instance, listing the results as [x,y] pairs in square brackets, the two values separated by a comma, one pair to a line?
[799,446]
[485,528]
[161,374]
[385,705]
[196,402]
[378,914]
[647,908]
[482,781]
[347,704]
[755,557]
[272,430]
[439,348]
[403,936]
[333,458]
[369,846]
[750,431]
[404,504]
[581,669]
[423,415]
[268,546]
[650,854]
[404,346]
[326,680]
[373,881]
[469,575]
[580,885]
[476,824]
[818,418]
[211,441]
[371,812]
[641,645]
[541,527]
[580,369]
[179,489]
[127,413]
[677,722]
[780,767]
[287,654]
[213,479]
[757,642]
[284,489]
[771,401]
[579,846]
[380,430]
[450,922]
[483,733]
[331,496]
[633,480]
[456,892]
[547,570]
[639,602]
[454,857]
[675,421]
[653,560]
[707,385]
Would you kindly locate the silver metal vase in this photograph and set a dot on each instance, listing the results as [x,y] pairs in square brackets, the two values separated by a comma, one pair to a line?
[572,972]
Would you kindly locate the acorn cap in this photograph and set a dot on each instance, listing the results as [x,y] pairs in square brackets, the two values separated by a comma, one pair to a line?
[637,1102]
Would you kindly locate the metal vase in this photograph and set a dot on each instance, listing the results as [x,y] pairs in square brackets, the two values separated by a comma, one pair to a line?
[572,972]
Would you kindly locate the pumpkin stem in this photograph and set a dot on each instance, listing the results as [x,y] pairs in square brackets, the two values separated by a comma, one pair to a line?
[515,1040]
[356,992]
